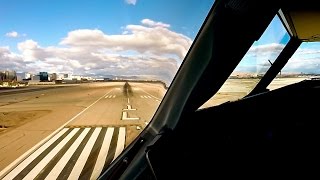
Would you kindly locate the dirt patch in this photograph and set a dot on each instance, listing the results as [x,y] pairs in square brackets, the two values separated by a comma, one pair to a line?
[13,119]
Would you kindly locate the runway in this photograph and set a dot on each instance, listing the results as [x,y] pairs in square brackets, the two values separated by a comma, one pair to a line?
[87,143]
[66,155]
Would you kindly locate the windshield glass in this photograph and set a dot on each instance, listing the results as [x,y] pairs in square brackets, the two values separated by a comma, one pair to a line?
[80,79]
[304,64]
[253,65]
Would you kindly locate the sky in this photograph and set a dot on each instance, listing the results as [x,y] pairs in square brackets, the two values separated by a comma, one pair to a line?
[99,37]
[146,38]
[270,45]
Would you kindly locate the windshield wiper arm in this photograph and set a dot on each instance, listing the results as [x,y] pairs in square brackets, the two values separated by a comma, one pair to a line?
[276,67]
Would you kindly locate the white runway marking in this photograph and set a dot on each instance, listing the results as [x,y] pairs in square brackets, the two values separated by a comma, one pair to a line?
[27,161]
[110,96]
[102,155]
[34,148]
[121,141]
[146,97]
[125,117]
[150,94]
[129,108]
[73,153]
[65,158]
[76,171]
[32,174]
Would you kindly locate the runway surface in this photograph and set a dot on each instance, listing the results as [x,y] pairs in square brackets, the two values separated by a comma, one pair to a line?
[87,143]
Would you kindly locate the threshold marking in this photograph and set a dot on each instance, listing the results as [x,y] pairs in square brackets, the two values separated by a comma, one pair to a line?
[73,153]
[21,160]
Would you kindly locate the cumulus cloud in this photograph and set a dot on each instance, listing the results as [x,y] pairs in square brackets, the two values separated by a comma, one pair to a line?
[305,60]
[10,60]
[133,2]
[151,23]
[12,34]
[150,49]
[143,39]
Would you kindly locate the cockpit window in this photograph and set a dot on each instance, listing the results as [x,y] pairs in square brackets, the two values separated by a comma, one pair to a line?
[253,65]
[80,79]
[304,64]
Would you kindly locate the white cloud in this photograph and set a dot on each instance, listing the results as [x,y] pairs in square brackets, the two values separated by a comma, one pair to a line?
[306,59]
[10,60]
[12,34]
[143,39]
[267,48]
[151,23]
[148,50]
[133,2]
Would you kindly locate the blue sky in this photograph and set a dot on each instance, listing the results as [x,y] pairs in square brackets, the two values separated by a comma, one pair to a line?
[48,21]
[145,38]
[269,46]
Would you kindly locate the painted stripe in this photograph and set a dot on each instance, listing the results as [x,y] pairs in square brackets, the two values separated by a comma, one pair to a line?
[102,154]
[75,173]
[35,171]
[129,108]
[150,94]
[18,161]
[125,116]
[121,142]
[72,154]
[88,167]
[47,169]
[72,161]
[112,149]
[57,138]
[67,156]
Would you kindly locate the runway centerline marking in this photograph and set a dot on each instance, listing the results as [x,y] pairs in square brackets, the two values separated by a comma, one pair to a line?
[129,108]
